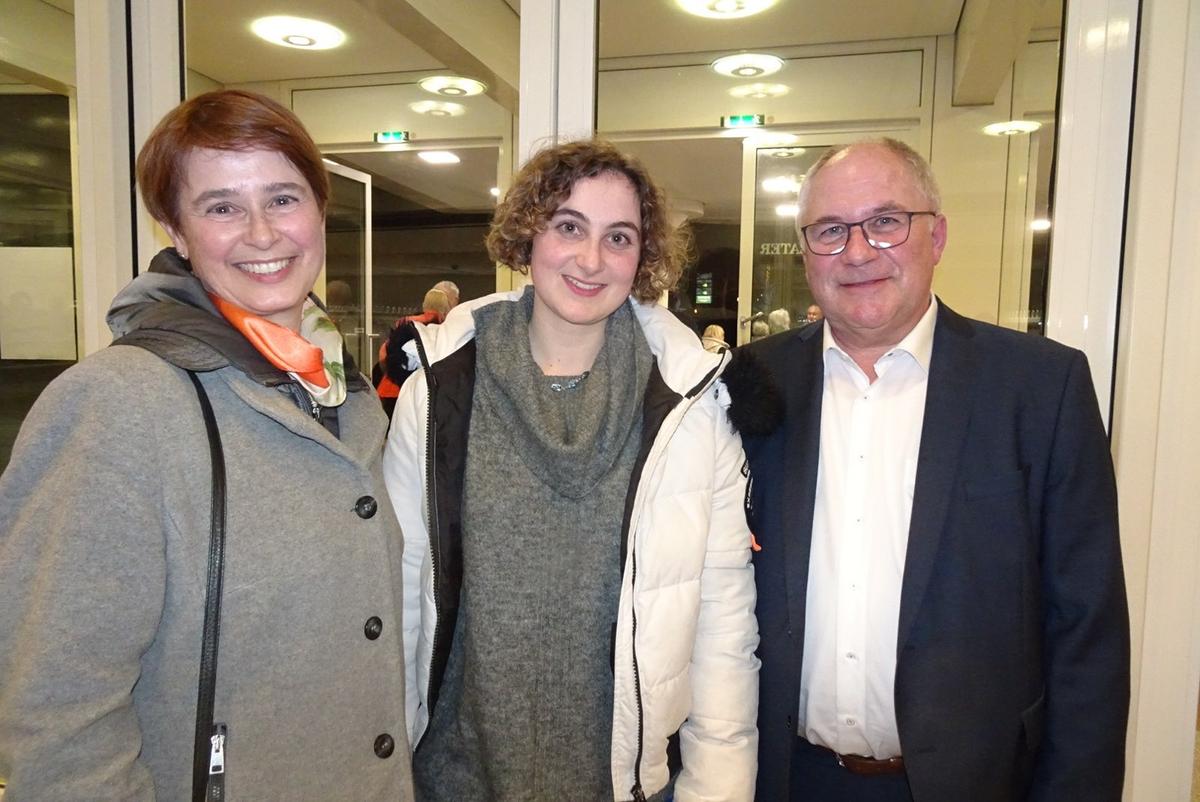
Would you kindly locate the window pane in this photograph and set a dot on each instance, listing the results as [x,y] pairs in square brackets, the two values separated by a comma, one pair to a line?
[886,70]
[37,274]
[428,220]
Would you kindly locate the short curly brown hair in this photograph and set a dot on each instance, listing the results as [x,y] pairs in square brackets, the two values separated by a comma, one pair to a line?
[545,182]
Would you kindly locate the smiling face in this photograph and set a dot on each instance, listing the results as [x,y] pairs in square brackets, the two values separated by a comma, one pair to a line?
[584,262]
[250,226]
[871,298]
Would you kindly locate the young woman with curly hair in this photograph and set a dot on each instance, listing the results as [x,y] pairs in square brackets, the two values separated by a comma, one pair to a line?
[578,587]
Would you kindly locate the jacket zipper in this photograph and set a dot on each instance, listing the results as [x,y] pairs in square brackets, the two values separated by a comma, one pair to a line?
[639,795]
[431,503]
[216,765]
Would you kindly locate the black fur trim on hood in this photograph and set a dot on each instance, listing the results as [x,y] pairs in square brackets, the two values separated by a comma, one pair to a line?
[756,405]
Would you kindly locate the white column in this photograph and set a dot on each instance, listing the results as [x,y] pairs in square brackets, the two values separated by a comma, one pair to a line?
[157,81]
[1156,435]
[1098,49]
[104,253]
[558,73]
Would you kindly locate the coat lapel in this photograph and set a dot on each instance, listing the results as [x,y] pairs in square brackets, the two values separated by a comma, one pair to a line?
[800,459]
[943,435]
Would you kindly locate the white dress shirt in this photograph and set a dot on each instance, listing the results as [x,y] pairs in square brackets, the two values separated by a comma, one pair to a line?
[870,438]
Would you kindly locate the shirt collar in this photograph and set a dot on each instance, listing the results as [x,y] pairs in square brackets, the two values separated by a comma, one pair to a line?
[918,343]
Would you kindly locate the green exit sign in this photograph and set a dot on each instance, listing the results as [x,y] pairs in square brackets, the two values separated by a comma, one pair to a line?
[742,121]
[391,137]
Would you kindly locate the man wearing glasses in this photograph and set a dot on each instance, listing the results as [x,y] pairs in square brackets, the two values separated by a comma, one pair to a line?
[940,594]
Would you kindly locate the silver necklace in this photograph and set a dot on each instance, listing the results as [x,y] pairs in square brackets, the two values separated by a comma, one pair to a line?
[569,384]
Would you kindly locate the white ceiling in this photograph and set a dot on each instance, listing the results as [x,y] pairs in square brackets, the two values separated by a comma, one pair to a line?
[221,47]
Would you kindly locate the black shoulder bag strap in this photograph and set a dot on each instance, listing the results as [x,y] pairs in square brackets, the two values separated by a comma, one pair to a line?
[208,759]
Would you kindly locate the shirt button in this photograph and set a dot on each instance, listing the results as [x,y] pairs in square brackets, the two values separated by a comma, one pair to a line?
[384,746]
[850,722]
[851,656]
[366,507]
[373,628]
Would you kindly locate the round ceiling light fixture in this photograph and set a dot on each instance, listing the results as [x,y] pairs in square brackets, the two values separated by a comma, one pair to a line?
[786,153]
[438,157]
[452,85]
[1012,127]
[759,91]
[438,108]
[298,32]
[748,65]
[724,9]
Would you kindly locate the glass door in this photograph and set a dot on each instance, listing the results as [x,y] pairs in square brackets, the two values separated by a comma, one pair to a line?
[348,261]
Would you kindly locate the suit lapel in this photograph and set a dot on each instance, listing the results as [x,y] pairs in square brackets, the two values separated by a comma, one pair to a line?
[943,434]
[801,451]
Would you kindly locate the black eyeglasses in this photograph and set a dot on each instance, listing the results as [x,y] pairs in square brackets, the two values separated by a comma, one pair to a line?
[882,231]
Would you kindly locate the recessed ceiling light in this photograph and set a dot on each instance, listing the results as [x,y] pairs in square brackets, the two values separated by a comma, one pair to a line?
[748,65]
[439,157]
[781,184]
[1041,224]
[495,192]
[438,108]
[724,9]
[452,85]
[787,210]
[759,90]
[297,32]
[1012,128]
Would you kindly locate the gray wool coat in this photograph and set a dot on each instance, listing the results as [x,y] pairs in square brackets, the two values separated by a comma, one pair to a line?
[104,527]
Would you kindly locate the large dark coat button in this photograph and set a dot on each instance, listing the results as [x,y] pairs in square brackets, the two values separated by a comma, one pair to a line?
[384,746]
[373,628]
[366,507]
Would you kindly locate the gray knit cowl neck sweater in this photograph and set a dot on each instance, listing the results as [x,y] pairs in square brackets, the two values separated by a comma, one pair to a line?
[525,711]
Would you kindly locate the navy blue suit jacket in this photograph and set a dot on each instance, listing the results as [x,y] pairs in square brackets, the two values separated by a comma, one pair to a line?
[1012,665]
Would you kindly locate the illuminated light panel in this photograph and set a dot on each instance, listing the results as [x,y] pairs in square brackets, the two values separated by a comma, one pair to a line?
[724,9]
[438,108]
[452,86]
[1041,224]
[298,32]
[1012,128]
[439,157]
[742,121]
[781,185]
[495,192]
[787,210]
[748,65]
[759,91]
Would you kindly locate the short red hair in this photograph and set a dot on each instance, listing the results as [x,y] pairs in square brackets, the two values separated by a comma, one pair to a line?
[227,119]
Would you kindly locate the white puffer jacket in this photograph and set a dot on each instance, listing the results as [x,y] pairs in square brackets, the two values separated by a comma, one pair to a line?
[687,588]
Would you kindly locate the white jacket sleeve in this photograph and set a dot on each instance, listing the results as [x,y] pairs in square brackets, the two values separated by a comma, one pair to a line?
[719,741]
[404,476]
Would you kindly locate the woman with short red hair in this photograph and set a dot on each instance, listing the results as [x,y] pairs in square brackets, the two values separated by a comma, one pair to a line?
[192,513]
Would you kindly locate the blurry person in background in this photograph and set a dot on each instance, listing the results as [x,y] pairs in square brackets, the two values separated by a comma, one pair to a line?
[713,338]
[107,507]
[397,353]
[778,320]
[814,314]
[578,581]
